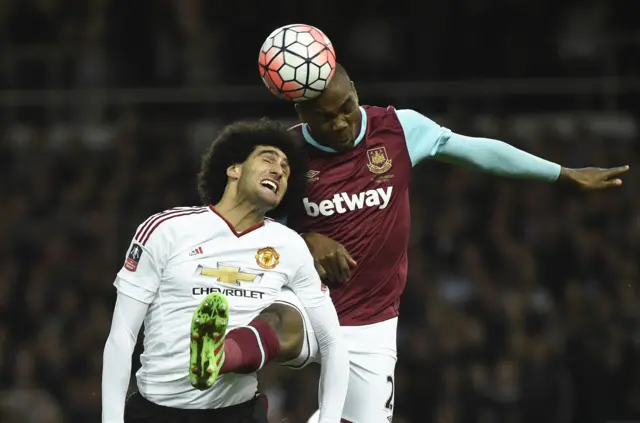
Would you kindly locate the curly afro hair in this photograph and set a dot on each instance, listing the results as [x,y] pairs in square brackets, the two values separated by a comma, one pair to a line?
[234,145]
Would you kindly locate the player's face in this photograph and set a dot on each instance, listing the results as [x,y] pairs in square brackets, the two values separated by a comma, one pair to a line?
[334,118]
[264,177]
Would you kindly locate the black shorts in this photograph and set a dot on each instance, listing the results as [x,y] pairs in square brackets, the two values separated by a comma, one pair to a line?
[140,410]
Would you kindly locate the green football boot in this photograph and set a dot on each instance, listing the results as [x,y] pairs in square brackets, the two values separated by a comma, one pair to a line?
[208,329]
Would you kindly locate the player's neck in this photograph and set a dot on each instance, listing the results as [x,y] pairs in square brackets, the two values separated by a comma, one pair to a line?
[241,215]
[324,143]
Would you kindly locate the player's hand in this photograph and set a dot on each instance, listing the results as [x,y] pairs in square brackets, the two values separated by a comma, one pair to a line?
[593,178]
[333,261]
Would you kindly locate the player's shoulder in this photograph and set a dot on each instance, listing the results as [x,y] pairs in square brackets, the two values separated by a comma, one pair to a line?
[378,112]
[385,126]
[171,222]
[382,117]
[374,112]
[288,243]
[409,120]
[285,234]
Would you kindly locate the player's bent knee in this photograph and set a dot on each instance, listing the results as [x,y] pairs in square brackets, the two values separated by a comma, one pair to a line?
[290,330]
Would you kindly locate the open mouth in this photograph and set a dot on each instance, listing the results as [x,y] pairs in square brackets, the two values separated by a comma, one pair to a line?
[269,184]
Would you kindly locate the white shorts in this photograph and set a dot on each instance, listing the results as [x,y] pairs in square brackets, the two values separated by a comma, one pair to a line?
[373,355]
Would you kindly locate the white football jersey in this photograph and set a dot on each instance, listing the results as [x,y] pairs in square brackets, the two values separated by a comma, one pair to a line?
[179,256]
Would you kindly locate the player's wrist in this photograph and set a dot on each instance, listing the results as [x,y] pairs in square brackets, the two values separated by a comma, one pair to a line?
[566,175]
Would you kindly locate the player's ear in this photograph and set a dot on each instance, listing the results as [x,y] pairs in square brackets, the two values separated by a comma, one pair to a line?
[234,171]
[355,92]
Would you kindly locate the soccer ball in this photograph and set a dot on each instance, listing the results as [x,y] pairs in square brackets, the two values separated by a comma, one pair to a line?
[296,62]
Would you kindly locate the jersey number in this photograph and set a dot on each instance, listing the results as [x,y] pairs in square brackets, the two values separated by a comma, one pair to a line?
[389,404]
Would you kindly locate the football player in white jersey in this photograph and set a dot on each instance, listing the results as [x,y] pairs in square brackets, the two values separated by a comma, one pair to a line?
[257,266]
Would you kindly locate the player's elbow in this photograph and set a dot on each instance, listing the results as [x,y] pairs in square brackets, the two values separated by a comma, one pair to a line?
[119,343]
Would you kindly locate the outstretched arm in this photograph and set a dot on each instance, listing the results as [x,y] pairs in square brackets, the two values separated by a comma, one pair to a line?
[495,157]
[426,139]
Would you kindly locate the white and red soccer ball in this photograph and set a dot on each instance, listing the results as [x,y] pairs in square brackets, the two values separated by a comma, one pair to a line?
[296,62]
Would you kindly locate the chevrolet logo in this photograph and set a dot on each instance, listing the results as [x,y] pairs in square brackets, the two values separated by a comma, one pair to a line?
[228,274]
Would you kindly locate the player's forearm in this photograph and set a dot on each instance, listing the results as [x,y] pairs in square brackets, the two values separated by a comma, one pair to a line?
[116,372]
[496,157]
[128,316]
[334,381]
[334,375]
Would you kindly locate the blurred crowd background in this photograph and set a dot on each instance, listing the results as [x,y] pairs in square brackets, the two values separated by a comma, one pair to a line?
[522,303]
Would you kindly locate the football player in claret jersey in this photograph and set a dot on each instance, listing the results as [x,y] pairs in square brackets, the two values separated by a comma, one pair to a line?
[355,217]
[227,264]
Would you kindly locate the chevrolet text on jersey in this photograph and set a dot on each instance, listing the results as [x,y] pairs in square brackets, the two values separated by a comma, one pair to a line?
[229,292]
[343,202]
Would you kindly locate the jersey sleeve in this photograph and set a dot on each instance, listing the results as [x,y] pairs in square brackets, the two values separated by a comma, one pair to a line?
[128,316]
[496,157]
[306,282]
[141,273]
[426,139]
[422,135]
[334,373]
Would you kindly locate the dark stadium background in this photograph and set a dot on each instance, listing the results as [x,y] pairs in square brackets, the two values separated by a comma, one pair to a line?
[522,303]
